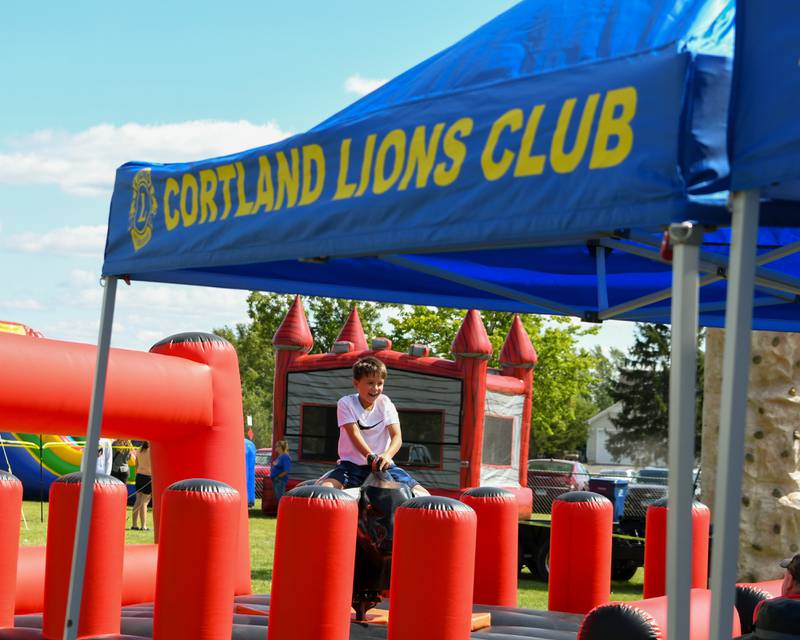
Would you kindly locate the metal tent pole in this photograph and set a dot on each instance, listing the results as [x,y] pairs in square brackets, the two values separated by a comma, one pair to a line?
[87,464]
[686,239]
[602,283]
[733,410]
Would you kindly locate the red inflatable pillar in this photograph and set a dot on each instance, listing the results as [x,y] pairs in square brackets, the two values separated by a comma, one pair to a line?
[580,552]
[496,546]
[291,341]
[517,360]
[10,508]
[315,549]
[102,583]
[197,551]
[215,451]
[655,548]
[472,350]
[433,561]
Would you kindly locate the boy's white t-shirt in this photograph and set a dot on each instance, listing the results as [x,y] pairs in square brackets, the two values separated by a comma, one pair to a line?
[373,424]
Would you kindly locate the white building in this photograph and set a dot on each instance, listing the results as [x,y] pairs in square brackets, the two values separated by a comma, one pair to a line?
[600,428]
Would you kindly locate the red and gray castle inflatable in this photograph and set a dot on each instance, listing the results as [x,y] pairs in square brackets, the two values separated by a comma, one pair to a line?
[464,424]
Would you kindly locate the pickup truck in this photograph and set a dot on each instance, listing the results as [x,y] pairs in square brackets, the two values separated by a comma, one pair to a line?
[627,550]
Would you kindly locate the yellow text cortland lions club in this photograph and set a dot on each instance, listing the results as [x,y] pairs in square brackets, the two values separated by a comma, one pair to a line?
[430,154]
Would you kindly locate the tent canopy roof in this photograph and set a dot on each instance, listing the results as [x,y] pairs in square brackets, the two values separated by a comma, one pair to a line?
[529,167]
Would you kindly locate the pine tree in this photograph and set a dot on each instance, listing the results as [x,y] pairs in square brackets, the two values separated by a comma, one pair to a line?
[642,386]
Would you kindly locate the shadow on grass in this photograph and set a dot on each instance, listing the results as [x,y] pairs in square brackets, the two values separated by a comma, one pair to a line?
[533,591]
[257,514]
[261,574]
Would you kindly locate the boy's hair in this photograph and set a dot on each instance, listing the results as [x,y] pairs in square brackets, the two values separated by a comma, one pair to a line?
[368,366]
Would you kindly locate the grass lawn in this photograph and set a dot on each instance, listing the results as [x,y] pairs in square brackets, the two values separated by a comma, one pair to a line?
[532,592]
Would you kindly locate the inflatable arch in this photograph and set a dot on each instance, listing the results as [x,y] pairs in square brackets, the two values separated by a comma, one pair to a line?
[464,425]
[36,459]
[184,397]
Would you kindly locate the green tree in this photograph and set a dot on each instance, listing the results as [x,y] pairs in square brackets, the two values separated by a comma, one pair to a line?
[642,386]
[326,317]
[253,343]
[435,327]
[605,376]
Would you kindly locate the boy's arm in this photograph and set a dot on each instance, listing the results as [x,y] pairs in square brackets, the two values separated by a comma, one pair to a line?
[384,460]
[357,439]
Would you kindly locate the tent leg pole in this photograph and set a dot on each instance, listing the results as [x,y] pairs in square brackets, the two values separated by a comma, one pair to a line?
[602,284]
[733,409]
[88,463]
[686,240]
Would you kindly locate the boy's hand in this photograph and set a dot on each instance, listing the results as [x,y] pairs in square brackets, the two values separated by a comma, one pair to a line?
[383,462]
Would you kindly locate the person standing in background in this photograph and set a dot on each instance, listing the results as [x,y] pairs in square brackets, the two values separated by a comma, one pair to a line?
[279,470]
[119,460]
[143,487]
[104,455]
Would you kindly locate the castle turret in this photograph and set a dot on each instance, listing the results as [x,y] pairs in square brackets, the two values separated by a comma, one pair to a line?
[517,359]
[472,349]
[294,334]
[353,332]
[292,341]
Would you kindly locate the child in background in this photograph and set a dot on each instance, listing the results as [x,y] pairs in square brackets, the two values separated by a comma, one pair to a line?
[119,460]
[369,431]
[279,469]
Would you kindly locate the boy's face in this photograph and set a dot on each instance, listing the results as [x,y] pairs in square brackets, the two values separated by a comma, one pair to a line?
[369,388]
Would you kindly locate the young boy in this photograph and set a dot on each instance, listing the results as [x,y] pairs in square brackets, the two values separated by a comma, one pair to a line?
[369,431]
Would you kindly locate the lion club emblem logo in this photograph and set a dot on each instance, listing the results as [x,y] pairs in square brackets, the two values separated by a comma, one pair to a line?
[143,209]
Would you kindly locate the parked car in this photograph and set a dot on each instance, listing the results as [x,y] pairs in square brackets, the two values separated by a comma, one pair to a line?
[653,475]
[627,474]
[263,460]
[649,485]
[548,478]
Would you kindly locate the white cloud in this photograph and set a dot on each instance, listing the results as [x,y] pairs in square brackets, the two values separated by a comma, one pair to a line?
[362,86]
[144,312]
[84,163]
[80,241]
[22,304]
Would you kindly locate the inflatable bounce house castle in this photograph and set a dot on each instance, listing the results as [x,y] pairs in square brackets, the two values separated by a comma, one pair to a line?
[464,424]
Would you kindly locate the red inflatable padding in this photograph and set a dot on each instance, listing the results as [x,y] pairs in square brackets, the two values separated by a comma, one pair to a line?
[185,398]
[433,563]
[655,548]
[196,561]
[30,580]
[139,573]
[214,452]
[315,548]
[102,583]
[47,385]
[496,547]
[773,587]
[10,507]
[647,619]
[138,576]
[580,552]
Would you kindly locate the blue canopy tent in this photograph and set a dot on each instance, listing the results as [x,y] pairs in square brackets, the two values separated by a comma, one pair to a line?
[533,167]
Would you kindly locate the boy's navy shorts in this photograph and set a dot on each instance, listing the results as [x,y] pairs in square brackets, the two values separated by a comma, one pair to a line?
[353,475]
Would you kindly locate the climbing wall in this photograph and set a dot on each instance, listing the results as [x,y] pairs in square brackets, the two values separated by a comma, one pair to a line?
[770,515]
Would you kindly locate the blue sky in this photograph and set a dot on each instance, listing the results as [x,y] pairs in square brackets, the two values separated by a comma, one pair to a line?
[90,85]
